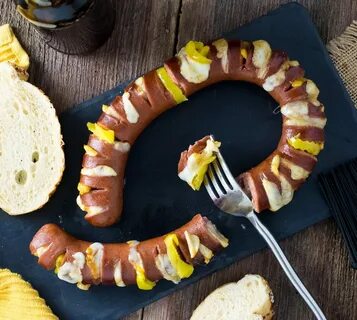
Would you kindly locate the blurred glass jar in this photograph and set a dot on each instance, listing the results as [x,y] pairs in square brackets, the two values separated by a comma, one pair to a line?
[70,26]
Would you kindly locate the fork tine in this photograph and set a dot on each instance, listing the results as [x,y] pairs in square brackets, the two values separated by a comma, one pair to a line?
[209,188]
[213,179]
[226,171]
[220,176]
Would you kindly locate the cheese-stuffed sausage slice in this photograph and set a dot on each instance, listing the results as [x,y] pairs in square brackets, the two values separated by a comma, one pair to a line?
[194,162]
[171,256]
[194,67]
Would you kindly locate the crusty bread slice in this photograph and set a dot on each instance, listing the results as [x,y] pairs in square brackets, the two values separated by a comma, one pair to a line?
[31,155]
[248,299]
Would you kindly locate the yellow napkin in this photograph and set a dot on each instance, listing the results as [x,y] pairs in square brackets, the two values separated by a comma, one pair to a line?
[18,300]
[10,48]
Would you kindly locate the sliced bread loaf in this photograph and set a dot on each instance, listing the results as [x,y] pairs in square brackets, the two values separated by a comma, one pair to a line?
[248,299]
[31,155]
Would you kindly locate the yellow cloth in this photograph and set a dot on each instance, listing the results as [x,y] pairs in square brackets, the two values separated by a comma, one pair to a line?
[10,48]
[19,301]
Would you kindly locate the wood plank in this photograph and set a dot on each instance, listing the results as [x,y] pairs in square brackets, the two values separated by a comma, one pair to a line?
[318,253]
[143,38]
[208,19]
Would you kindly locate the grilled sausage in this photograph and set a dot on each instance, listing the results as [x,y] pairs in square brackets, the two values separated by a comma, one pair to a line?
[196,66]
[171,256]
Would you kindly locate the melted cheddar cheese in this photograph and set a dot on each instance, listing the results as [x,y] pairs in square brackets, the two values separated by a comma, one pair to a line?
[311,147]
[183,269]
[171,86]
[244,53]
[82,188]
[101,133]
[90,151]
[134,258]
[197,164]
[198,51]
[59,262]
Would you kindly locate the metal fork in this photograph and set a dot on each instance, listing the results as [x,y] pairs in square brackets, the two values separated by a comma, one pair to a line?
[228,196]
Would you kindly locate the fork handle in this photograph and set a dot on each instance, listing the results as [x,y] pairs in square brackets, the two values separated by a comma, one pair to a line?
[288,269]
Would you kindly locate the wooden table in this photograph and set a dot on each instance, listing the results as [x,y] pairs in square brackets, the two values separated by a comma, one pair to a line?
[147,33]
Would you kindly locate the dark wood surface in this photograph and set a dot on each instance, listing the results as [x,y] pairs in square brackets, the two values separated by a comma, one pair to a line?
[148,32]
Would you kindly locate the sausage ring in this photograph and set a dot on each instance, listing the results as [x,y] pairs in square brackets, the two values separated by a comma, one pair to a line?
[171,256]
[271,184]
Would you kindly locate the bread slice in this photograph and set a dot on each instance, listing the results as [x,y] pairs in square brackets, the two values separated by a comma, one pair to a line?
[31,155]
[248,299]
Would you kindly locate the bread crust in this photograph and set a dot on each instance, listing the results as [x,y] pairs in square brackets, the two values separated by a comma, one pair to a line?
[257,287]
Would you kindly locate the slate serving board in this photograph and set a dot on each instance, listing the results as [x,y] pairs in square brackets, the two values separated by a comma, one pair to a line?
[156,201]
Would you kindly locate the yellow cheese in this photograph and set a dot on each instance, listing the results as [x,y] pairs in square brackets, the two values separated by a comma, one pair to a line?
[197,165]
[82,188]
[83,286]
[142,282]
[311,147]
[105,108]
[170,86]
[297,83]
[101,133]
[59,262]
[193,70]
[198,51]
[10,48]
[244,53]
[90,151]
[184,270]
[134,258]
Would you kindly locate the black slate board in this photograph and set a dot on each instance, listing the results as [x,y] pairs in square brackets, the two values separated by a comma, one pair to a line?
[156,201]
